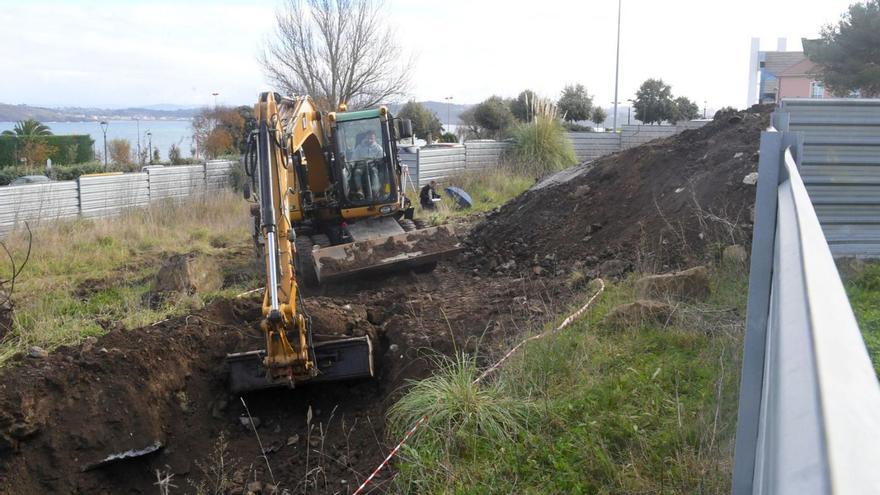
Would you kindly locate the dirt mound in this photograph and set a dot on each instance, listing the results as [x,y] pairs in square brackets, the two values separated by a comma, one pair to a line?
[165,386]
[664,205]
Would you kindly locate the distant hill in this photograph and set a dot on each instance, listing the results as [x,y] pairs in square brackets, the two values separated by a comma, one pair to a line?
[12,113]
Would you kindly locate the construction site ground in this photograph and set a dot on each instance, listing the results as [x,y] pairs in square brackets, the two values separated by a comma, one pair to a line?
[664,205]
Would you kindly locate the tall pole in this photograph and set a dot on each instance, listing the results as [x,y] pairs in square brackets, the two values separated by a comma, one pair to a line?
[617,64]
[215,99]
[104,126]
[705,102]
[448,120]
[139,141]
[150,146]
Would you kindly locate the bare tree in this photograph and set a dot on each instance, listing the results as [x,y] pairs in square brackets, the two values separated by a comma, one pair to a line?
[336,51]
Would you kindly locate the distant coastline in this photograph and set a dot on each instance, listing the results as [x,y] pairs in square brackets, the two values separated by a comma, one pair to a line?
[13,113]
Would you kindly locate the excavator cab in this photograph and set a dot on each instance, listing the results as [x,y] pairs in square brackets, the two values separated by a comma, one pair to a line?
[366,168]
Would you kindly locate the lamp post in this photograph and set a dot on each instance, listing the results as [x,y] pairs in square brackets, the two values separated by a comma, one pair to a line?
[104,126]
[214,94]
[150,146]
[448,120]
[705,102]
[138,122]
[617,64]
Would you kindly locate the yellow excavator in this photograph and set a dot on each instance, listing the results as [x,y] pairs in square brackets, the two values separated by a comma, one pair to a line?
[329,203]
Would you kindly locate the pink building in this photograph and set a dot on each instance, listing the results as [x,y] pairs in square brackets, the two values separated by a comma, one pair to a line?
[799,81]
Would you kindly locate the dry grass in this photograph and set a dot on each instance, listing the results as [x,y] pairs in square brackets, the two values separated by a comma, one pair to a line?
[488,189]
[86,276]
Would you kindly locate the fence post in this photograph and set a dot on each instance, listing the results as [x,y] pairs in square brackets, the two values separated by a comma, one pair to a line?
[760,280]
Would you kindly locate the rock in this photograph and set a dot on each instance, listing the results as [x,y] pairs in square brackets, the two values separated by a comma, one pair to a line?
[37,352]
[734,255]
[537,270]
[255,488]
[7,311]
[249,422]
[640,312]
[292,440]
[189,273]
[692,284]
[595,227]
[509,265]
[88,343]
[376,316]
[393,347]
[738,155]
[582,190]
[613,268]
[751,179]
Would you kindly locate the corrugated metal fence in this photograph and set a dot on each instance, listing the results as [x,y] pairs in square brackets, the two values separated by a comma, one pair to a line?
[106,195]
[427,164]
[808,418]
[840,167]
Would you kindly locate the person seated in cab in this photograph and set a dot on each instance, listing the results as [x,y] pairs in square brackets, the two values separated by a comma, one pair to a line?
[366,174]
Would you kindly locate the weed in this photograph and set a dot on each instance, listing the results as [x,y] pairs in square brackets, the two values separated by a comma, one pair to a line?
[863,288]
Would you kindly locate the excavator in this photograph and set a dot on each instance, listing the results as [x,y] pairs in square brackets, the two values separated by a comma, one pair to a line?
[329,202]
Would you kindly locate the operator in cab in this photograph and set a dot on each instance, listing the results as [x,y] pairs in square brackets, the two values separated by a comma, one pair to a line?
[428,195]
[366,174]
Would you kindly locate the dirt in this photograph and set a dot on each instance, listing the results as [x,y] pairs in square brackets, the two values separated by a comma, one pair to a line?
[665,205]
[166,384]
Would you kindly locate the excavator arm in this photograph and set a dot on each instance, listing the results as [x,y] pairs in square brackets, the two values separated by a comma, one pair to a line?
[288,128]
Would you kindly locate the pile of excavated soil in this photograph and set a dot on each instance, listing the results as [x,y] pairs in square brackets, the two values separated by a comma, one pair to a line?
[667,204]
[165,386]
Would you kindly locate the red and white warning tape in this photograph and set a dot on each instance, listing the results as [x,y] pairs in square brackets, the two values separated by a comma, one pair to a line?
[566,322]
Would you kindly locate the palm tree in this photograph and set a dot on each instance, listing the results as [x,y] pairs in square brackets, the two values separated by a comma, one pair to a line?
[28,128]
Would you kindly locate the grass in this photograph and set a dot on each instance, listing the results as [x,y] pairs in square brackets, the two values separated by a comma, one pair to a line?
[488,189]
[648,409]
[863,288]
[87,276]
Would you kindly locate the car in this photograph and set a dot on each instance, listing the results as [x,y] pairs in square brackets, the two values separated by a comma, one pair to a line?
[151,167]
[30,179]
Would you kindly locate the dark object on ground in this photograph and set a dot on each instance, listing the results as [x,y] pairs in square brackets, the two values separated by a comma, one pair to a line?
[462,199]
[427,196]
[658,207]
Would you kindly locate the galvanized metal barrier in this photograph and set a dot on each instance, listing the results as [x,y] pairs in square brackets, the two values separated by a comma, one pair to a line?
[105,195]
[840,167]
[809,407]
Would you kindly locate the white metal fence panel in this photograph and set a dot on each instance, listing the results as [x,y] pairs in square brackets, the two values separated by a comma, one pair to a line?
[840,167]
[482,155]
[589,146]
[35,203]
[176,182]
[107,195]
[409,157]
[439,163]
[218,173]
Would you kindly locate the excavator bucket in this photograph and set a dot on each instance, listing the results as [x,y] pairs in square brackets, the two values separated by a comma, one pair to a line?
[380,253]
[336,360]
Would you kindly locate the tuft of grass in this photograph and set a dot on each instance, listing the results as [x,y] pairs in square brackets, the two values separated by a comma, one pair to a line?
[540,148]
[863,289]
[646,409]
[87,276]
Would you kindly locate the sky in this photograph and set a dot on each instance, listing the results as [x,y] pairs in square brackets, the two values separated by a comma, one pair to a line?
[135,53]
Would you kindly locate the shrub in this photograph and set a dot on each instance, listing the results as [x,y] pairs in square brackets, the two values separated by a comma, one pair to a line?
[540,148]
[448,137]
[119,151]
[62,149]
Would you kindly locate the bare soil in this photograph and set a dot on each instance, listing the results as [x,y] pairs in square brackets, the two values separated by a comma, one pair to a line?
[61,415]
[668,204]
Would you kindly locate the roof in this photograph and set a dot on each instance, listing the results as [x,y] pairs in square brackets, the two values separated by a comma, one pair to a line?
[803,68]
[776,62]
[358,115]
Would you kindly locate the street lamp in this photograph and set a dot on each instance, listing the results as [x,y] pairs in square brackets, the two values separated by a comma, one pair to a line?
[617,64]
[214,94]
[104,126]
[138,122]
[150,146]
[705,102]
[448,120]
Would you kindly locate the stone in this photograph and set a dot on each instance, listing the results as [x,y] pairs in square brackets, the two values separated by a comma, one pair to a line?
[191,273]
[738,155]
[255,488]
[734,255]
[613,268]
[37,352]
[582,190]
[376,316]
[751,179]
[537,270]
[249,422]
[691,284]
[292,440]
[640,312]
